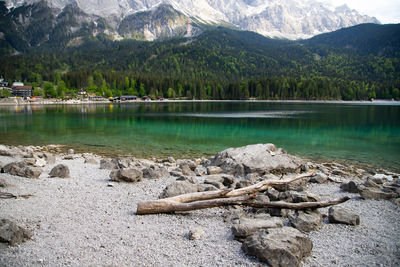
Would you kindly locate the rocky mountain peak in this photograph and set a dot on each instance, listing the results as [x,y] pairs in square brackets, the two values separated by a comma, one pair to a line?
[152,19]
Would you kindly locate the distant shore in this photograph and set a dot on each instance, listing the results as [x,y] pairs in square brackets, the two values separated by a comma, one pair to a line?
[14,101]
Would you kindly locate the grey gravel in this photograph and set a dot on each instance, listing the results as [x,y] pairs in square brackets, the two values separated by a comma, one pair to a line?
[375,242]
[83,221]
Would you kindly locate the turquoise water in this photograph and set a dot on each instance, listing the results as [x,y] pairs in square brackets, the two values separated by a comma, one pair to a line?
[366,133]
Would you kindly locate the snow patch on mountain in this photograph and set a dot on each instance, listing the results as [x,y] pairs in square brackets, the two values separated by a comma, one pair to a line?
[292,19]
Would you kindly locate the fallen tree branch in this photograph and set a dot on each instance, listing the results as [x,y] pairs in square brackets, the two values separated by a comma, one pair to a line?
[167,206]
[261,186]
[5,195]
[298,206]
[264,185]
[198,200]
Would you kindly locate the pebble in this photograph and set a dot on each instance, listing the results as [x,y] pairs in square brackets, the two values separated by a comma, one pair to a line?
[82,223]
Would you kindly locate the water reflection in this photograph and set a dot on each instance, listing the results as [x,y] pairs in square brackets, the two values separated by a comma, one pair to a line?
[364,133]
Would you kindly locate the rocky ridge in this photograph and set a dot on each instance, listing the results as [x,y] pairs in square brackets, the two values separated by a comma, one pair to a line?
[154,19]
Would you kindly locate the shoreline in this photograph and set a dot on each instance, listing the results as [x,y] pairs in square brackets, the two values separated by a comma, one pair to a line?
[88,219]
[105,154]
[91,102]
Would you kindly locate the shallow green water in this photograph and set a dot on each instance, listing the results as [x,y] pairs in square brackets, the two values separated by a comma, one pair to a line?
[367,133]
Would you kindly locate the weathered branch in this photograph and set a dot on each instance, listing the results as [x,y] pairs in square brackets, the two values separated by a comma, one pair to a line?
[5,195]
[261,186]
[185,198]
[201,200]
[298,206]
[264,185]
[167,206]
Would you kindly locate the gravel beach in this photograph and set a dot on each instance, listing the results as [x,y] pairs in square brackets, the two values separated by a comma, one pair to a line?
[86,220]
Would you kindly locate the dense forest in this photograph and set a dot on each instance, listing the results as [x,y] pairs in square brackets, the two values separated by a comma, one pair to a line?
[220,63]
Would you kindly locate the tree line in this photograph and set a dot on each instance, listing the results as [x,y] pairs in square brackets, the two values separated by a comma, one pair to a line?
[220,64]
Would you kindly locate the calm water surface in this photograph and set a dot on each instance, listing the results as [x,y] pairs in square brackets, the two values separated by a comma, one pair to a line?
[367,133]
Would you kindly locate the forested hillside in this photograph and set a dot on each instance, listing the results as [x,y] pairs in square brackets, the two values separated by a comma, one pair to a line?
[220,64]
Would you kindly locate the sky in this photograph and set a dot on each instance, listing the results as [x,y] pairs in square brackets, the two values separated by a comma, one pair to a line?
[386,11]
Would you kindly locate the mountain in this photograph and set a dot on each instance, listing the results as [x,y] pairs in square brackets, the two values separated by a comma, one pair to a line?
[154,19]
[364,39]
[222,63]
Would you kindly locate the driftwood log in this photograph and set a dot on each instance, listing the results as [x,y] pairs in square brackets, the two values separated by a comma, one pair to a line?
[210,199]
[298,206]
[243,196]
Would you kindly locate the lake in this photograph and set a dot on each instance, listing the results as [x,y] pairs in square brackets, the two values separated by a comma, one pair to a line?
[366,133]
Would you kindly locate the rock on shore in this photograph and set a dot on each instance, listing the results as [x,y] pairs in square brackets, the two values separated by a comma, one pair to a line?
[88,219]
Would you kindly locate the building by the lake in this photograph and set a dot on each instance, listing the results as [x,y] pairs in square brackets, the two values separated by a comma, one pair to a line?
[21,90]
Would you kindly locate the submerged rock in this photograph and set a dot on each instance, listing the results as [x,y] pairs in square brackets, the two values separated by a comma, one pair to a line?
[280,247]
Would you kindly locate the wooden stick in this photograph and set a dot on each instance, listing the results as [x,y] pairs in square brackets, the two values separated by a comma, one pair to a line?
[264,185]
[202,200]
[261,186]
[298,206]
[5,195]
[167,206]
[185,198]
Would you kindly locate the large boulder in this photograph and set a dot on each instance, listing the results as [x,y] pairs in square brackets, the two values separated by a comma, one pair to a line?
[200,170]
[108,164]
[185,169]
[12,152]
[260,158]
[22,169]
[248,226]
[220,180]
[155,172]
[89,159]
[36,162]
[50,158]
[344,216]
[115,163]
[375,193]
[129,175]
[12,233]
[180,188]
[298,197]
[279,247]
[61,171]
[306,221]
[319,178]
[213,170]
[350,187]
